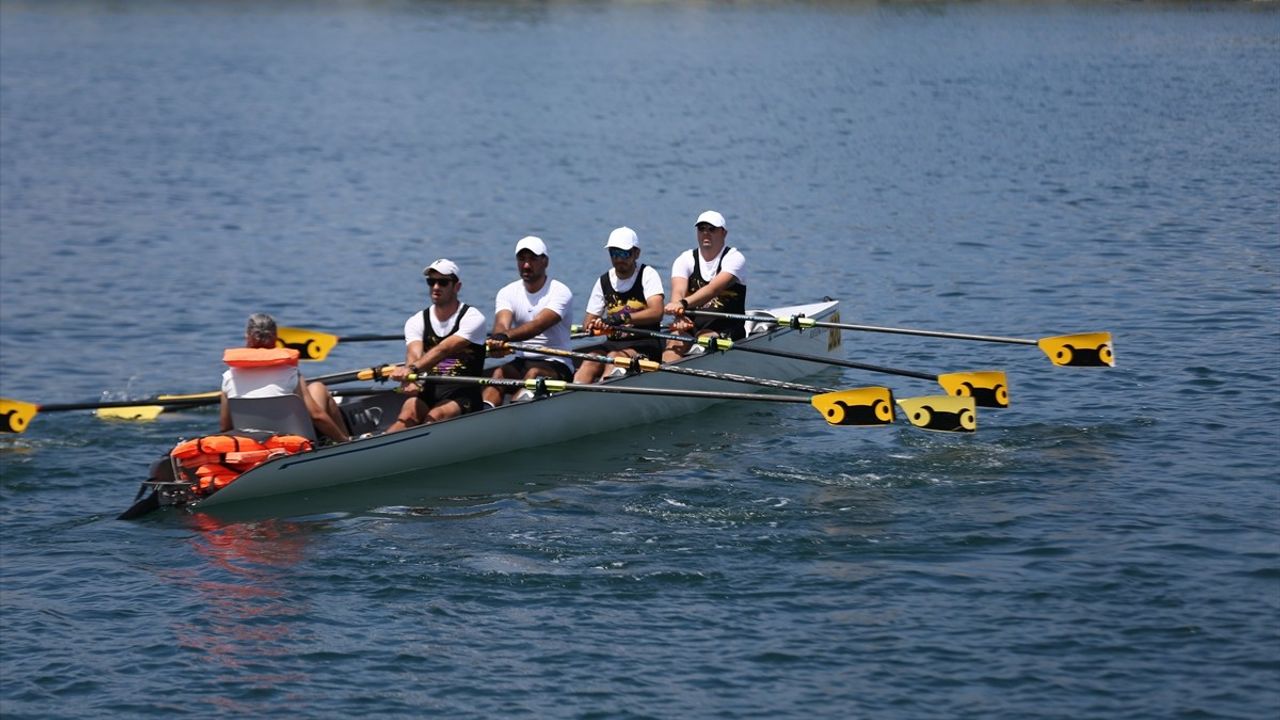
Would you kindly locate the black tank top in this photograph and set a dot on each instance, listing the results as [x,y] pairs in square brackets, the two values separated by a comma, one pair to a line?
[632,300]
[469,362]
[732,299]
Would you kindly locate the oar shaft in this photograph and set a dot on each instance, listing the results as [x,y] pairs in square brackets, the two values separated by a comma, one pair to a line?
[651,366]
[787,354]
[803,322]
[369,338]
[560,385]
[180,403]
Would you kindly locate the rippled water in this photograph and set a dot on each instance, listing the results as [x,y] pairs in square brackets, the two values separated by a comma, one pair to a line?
[1108,547]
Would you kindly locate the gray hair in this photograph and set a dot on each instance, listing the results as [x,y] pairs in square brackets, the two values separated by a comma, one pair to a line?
[260,332]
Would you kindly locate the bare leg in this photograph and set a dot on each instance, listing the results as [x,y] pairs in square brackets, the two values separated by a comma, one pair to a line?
[411,414]
[589,372]
[324,412]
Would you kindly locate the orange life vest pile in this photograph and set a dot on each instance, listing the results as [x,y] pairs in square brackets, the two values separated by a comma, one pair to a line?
[212,462]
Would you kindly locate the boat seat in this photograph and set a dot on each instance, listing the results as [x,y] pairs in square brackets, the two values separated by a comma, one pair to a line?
[282,415]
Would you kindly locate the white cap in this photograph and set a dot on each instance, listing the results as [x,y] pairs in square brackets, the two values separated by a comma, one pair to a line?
[712,217]
[624,238]
[444,267]
[532,244]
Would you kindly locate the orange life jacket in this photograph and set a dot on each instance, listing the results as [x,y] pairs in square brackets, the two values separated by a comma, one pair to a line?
[259,357]
[212,462]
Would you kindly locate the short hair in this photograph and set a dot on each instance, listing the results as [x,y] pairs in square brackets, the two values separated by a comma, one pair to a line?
[260,331]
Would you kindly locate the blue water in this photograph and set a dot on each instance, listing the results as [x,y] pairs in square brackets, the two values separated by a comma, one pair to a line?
[1108,547]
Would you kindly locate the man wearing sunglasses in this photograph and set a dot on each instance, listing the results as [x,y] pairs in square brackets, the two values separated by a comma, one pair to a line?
[627,295]
[534,309]
[710,276]
[444,339]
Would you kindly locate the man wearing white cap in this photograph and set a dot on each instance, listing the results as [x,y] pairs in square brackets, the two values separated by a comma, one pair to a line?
[444,339]
[536,310]
[712,277]
[626,295]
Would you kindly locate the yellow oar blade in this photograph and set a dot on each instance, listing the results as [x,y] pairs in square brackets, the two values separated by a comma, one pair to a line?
[16,415]
[988,388]
[135,412]
[310,344]
[943,413]
[1081,350]
[860,406]
[149,412]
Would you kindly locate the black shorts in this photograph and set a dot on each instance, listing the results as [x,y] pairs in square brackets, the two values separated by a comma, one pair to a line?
[467,396]
[558,370]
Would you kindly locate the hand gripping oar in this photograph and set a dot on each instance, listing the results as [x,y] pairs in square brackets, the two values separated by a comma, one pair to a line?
[987,388]
[1078,350]
[860,406]
[316,345]
[645,365]
[16,415]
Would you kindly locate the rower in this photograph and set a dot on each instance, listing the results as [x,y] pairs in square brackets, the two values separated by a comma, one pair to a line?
[444,339]
[534,309]
[628,295]
[262,370]
[712,277]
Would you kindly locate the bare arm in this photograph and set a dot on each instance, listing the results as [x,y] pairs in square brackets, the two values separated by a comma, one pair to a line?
[708,292]
[449,346]
[539,323]
[679,288]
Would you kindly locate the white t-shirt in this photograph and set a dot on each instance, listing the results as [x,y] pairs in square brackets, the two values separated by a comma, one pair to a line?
[524,307]
[472,328]
[651,285]
[734,262]
[259,382]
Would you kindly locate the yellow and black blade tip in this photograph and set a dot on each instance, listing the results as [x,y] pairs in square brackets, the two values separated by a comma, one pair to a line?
[16,415]
[988,388]
[941,413]
[1082,350]
[860,406]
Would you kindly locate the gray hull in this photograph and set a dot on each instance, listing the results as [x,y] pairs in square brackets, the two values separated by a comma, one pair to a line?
[557,418]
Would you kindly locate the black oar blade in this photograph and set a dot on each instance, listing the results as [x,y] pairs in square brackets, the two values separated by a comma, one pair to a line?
[859,406]
[988,388]
[1081,350]
[942,413]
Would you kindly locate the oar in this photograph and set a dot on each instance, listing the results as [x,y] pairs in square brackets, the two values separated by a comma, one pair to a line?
[316,345]
[640,364]
[16,415]
[988,388]
[859,406]
[1077,350]
[150,410]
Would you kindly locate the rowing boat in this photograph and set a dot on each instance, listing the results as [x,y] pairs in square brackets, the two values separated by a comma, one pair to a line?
[550,419]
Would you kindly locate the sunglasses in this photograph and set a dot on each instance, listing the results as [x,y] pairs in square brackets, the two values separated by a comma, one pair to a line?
[706,227]
[439,281]
[619,254]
